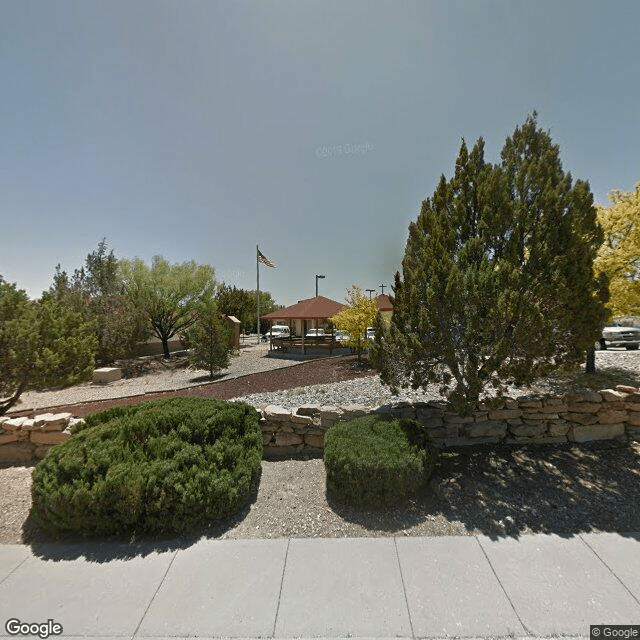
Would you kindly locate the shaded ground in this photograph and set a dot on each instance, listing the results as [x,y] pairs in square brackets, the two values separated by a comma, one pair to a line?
[496,491]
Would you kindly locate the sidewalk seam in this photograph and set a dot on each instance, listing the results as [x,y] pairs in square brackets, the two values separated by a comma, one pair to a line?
[526,630]
[14,570]
[404,588]
[613,573]
[153,597]
[284,566]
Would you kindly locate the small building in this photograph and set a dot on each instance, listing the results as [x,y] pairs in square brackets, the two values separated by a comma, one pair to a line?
[383,302]
[307,314]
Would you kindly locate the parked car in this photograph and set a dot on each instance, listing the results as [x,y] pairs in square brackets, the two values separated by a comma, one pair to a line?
[370,334]
[315,333]
[277,331]
[342,336]
[627,337]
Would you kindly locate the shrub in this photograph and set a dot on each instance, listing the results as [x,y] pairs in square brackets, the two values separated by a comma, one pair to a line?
[162,466]
[375,461]
[211,340]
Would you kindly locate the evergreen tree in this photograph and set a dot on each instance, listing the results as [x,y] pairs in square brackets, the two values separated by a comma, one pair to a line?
[96,290]
[241,303]
[497,281]
[210,340]
[44,343]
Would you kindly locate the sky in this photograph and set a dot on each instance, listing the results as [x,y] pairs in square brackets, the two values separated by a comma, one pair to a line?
[197,130]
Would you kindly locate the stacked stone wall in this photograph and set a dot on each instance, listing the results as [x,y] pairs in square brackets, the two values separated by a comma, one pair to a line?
[575,417]
[23,440]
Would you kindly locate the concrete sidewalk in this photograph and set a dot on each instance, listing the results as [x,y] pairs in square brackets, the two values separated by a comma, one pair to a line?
[533,586]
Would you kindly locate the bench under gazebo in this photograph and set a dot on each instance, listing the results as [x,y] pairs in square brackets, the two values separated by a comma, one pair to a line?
[298,317]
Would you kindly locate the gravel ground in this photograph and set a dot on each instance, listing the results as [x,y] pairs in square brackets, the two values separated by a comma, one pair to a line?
[561,489]
[496,491]
[369,391]
[252,359]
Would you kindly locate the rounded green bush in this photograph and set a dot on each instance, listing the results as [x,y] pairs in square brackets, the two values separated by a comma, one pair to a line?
[376,461]
[163,466]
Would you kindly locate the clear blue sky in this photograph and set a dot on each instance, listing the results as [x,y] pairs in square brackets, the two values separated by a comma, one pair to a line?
[198,129]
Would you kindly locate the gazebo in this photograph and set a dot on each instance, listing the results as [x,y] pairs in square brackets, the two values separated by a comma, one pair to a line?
[309,310]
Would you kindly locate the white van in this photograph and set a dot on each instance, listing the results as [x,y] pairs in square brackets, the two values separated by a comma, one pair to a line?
[277,331]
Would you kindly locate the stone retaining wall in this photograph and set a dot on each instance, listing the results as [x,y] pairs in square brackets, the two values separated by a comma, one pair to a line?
[578,417]
[23,440]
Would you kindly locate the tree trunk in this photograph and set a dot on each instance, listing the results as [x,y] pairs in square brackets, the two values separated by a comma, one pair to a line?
[591,360]
[165,347]
[5,406]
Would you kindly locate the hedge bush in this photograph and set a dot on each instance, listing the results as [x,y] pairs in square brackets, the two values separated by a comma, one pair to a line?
[377,461]
[162,466]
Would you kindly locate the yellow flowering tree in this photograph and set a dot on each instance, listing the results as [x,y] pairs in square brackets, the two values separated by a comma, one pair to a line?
[619,255]
[359,314]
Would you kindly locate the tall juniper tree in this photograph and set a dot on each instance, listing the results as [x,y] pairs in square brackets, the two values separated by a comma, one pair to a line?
[42,344]
[96,291]
[497,281]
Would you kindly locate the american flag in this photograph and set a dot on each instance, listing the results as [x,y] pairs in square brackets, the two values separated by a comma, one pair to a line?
[265,260]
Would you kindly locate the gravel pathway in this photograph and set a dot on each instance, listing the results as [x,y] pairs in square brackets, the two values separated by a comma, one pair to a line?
[250,360]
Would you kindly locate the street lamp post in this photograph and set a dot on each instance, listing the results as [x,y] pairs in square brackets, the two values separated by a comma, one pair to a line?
[316,297]
[370,291]
[317,284]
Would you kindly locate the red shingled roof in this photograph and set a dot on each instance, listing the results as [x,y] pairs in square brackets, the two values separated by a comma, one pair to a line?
[318,308]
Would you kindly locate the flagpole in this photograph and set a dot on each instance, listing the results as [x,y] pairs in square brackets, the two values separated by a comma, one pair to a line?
[258,293]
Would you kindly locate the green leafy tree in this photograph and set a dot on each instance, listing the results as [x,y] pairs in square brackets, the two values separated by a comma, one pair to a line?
[42,344]
[355,318]
[168,294]
[619,255]
[241,303]
[210,340]
[497,281]
[96,290]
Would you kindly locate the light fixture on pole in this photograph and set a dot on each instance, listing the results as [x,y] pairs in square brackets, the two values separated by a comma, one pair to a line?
[316,297]
[317,284]
[370,291]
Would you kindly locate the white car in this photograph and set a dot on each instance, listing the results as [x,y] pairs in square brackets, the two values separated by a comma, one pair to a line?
[277,331]
[370,334]
[315,333]
[627,337]
[342,336]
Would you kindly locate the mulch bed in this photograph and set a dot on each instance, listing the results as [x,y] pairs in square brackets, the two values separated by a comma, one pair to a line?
[320,371]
